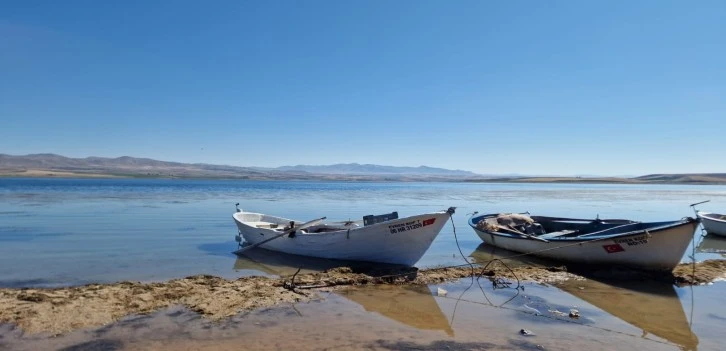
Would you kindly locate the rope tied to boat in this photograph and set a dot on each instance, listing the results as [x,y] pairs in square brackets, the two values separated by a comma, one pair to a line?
[291,286]
[498,282]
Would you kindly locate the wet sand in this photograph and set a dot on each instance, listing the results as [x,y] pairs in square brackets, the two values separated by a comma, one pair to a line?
[705,272]
[60,310]
[383,317]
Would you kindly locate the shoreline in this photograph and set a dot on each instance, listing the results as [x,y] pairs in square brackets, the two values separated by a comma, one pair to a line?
[58,174]
[62,310]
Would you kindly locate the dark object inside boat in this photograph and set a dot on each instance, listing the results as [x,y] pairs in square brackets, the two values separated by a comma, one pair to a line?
[371,219]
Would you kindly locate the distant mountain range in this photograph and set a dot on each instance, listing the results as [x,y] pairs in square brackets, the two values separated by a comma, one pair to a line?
[52,165]
[684,178]
[356,168]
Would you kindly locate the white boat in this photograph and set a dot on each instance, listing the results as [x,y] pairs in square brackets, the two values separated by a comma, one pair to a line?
[647,245]
[713,223]
[383,238]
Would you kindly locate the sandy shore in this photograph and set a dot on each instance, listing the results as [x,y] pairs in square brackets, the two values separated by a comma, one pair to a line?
[61,310]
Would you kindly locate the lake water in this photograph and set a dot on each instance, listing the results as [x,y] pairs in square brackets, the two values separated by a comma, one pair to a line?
[71,231]
[56,232]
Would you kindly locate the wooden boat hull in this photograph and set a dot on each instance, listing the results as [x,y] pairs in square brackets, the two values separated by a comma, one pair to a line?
[401,241]
[712,224]
[660,248]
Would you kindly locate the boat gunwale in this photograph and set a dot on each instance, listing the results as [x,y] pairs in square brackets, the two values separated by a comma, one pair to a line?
[351,229]
[589,237]
[706,215]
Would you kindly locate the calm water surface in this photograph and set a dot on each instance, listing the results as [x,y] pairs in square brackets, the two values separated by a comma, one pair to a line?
[56,232]
[70,231]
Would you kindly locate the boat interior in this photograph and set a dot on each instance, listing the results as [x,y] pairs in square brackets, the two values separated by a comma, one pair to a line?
[280,224]
[716,216]
[559,228]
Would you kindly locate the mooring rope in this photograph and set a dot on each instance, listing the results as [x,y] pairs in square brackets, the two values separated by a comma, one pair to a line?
[453,226]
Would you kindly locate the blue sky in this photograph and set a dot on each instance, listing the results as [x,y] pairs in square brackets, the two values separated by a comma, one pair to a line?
[532,87]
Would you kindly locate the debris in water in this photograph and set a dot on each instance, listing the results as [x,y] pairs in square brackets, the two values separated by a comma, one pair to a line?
[574,313]
[441,292]
[559,313]
[526,332]
[536,311]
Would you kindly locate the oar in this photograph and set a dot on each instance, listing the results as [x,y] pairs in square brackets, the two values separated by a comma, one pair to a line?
[599,232]
[294,228]
[578,219]
[520,233]
[693,206]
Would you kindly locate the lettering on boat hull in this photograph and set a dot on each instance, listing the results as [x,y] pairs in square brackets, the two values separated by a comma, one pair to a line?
[404,227]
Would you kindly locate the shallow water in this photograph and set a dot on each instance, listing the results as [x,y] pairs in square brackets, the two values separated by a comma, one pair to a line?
[56,232]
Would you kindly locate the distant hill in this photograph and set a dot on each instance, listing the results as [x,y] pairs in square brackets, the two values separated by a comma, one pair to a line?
[52,165]
[709,178]
[119,166]
[42,165]
[58,161]
[356,168]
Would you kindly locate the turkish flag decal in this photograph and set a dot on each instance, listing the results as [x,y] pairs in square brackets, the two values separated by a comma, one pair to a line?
[613,248]
[429,221]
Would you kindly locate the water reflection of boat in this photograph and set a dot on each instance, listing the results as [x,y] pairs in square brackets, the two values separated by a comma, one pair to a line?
[710,243]
[411,305]
[282,264]
[276,263]
[653,307]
